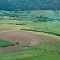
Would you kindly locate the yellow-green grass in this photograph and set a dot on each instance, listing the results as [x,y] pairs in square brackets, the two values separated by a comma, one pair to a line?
[46,34]
[9,21]
[53,46]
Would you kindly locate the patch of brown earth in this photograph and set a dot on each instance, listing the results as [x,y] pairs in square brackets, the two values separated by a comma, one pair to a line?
[23,37]
[11,48]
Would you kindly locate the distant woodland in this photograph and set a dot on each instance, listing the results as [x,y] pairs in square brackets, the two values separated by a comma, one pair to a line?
[29,4]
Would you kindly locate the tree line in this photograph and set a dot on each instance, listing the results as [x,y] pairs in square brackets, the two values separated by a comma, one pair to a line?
[30,5]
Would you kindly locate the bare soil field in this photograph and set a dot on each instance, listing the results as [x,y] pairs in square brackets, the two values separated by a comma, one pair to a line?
[23,37]
[5,29]
[11,48]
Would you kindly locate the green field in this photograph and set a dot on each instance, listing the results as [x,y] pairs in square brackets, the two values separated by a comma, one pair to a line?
[46,21]
[39,22]
[4,43]
[46,27]
[31,14]
[48,50]
[29,55]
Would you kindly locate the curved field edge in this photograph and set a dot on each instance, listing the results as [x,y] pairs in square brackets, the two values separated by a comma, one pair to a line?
[29,55]
[46,34]
[21,37]
[48,28]
[40,33]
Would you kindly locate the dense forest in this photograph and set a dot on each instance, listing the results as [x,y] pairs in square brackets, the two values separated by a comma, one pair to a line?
[29,4]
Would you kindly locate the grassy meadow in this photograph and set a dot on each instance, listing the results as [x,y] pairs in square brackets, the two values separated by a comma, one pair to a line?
[29,54]
[39,22]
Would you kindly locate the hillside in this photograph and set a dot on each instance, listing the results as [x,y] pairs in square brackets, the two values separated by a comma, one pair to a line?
[30,5]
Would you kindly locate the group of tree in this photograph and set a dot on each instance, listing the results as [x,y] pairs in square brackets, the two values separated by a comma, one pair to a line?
[42,19]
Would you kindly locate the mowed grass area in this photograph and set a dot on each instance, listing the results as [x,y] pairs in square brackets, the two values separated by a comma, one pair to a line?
[4,43]
[29,55]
